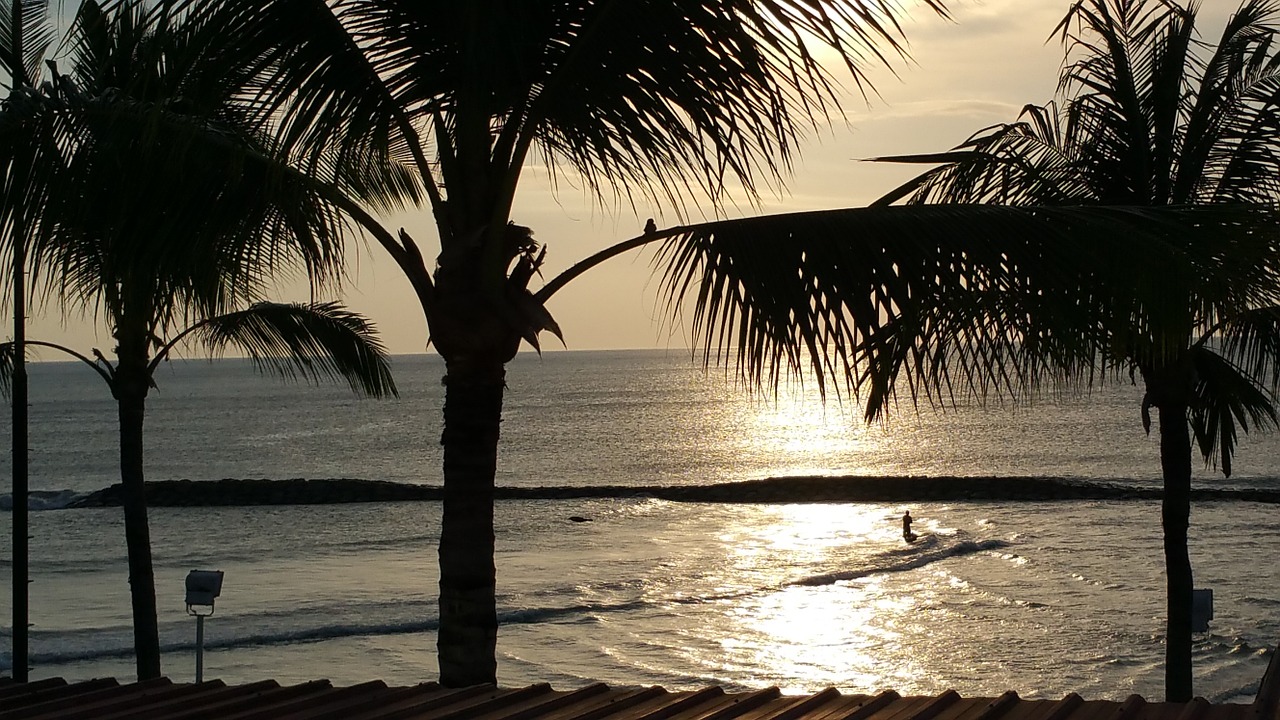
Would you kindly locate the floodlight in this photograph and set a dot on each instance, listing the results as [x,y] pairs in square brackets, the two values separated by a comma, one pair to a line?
[202,587]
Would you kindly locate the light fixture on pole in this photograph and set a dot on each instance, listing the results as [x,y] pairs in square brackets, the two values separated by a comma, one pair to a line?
[202,587]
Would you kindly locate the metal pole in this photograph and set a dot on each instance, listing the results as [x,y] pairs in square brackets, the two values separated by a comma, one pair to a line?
[199,648]
[21,574]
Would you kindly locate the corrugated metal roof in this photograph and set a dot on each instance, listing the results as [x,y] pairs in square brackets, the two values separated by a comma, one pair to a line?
[161,699]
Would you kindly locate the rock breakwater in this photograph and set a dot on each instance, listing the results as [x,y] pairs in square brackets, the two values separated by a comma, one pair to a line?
[301,491]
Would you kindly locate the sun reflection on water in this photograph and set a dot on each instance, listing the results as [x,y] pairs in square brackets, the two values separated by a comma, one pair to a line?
[794,595]
[797,431]
[848,634]
[816,637]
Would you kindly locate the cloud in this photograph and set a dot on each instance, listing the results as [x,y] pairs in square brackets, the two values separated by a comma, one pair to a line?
[958,108]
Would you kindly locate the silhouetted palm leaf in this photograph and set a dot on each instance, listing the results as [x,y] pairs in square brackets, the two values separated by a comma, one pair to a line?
[1226,399]
[576,83]
[26,146]
[309,341]
[25,36]
[1029,162]
[130,190]
[1251,341]
[969,299]
[7,358]
[1144,121]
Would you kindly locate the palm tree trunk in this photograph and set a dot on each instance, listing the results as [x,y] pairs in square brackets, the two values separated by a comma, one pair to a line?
[1175,460]
[130,389]
[467,640]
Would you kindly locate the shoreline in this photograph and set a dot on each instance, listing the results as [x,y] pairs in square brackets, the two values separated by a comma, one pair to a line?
[792,489]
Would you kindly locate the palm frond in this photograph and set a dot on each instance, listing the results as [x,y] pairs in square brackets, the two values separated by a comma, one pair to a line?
[1228,153]
[130,206]
[142,107]
[702,116]
[1250,341]
[655,97]
[1141,118]
[1227,400]
[25,37]
[31,162]
[311,342]
[324,70]
[8,356]
[965,299]
[1030,162]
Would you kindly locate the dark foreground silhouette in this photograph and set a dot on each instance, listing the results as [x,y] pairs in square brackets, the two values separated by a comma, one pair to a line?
[175,493]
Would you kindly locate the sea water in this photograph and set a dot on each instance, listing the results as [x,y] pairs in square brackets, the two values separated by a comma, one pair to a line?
[1041,597]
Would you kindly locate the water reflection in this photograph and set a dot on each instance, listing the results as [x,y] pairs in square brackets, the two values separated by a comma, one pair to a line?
[846,634]
[797,432]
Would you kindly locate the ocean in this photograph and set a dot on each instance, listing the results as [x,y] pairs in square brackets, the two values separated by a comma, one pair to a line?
[1043,597]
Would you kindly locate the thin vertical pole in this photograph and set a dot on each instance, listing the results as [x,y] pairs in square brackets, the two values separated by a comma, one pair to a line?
[199,648]
[21,535]
[21,575]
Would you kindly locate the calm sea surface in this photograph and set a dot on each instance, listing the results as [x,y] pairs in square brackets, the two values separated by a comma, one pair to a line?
[1042,597]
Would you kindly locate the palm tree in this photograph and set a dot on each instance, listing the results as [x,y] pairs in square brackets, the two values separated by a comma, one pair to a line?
[657,98]
[314,341]
[1148,115]
[170,210]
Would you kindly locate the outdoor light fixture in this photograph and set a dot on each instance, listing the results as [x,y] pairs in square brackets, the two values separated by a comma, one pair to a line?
[203,587]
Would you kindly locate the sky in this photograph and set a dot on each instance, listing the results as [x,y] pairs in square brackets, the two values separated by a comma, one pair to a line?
[974,70]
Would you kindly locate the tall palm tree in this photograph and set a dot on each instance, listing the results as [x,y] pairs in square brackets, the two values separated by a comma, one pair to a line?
[1149,115]
[170,210]
[647,97]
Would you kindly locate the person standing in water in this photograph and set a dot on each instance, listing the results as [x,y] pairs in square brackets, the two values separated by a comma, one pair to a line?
[906,527]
